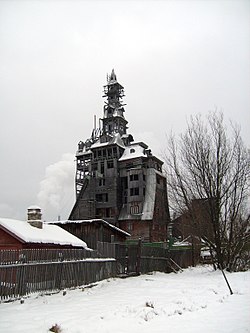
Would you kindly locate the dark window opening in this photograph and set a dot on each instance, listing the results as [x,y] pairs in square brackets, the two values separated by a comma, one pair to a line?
[130,226]
[102,182]
[102,168]
[134,191]
[124,181]
[110,164]
[101,197]
[134,177]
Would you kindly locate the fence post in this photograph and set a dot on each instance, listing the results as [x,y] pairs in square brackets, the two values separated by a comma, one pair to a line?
[138,264]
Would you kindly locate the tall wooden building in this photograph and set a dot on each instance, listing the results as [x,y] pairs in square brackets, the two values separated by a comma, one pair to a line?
[120,180]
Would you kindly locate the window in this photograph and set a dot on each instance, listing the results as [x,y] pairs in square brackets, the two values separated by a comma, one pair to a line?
[134,191]
[101,197]
[110,164]
[134,177]
[102,182]
[124,181]
[102,168]
[132,150]
[130,226]
[134,209]
[108,212]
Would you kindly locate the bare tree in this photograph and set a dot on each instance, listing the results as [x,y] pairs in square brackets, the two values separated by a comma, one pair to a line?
[207,163]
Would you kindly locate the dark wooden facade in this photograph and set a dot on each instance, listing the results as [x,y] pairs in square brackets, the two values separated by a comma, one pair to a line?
[119,180]
[92,231]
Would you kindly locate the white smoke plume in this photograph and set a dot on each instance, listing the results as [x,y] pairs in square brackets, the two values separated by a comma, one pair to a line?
[56,195]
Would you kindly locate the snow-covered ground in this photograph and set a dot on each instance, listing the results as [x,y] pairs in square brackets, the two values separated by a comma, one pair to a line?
[196,300]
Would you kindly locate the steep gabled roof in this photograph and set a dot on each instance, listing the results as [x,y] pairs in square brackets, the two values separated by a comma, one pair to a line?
[49,234]
[133,151]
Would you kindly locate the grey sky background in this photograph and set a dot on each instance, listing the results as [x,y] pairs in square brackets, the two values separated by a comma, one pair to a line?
[174,59]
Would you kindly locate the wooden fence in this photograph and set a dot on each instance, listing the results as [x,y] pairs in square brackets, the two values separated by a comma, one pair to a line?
[140,258]
[27,271]
[44,255]
[23,272]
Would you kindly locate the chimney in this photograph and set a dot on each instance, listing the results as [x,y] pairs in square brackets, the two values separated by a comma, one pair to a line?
[35,217]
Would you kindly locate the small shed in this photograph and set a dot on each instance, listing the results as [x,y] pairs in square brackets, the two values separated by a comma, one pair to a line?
[17,235]
[92,231]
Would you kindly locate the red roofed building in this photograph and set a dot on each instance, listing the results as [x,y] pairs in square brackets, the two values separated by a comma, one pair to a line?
[17,235]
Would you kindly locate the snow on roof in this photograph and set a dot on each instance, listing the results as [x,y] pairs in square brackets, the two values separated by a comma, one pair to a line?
[90,221]
[116,139]
[49,234]
[133,151]
[33,207]
[81,153]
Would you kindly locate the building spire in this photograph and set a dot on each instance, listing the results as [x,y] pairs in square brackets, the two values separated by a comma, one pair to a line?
[113,119]
[112,77]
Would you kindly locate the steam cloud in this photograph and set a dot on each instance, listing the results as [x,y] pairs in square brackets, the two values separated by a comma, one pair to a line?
[56,193]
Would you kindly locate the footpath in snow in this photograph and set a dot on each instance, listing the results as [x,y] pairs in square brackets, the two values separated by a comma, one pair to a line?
[194,301]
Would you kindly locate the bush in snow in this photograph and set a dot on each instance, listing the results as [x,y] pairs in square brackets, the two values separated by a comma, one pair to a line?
[56,328]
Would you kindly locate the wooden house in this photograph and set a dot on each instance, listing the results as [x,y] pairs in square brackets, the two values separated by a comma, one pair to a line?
[34,234]
[92,231]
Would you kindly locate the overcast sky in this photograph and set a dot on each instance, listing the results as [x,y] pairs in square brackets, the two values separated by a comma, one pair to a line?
[174,59]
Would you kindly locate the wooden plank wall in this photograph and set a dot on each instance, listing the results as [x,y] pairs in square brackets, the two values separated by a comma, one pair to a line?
[17,280]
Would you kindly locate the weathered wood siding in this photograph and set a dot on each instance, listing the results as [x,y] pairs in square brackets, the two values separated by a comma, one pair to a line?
[27,271]
[93,232]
